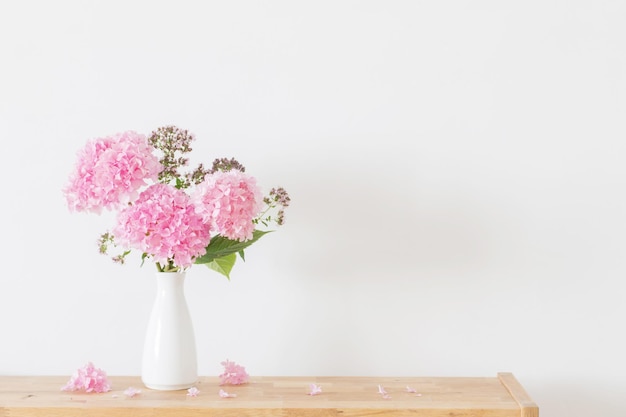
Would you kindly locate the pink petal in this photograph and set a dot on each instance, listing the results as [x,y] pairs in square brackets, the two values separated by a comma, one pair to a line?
[193,392]
[88,379]
[315,389]
[409,389]
[224,394]
[233,374]
[131,392]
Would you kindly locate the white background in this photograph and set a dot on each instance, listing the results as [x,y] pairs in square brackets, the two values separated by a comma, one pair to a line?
[456,170]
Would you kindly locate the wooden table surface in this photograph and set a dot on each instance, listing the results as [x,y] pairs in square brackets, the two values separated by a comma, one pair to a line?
[500,396]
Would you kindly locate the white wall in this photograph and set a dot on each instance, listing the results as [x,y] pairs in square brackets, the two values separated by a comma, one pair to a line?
[456,170]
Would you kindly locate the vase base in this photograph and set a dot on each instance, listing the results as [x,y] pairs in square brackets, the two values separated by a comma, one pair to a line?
[168,387]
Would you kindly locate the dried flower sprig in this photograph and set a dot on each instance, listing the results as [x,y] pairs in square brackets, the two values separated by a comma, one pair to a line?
[197,175]
[174,143]
[225,165]
[277,200]
[107,239]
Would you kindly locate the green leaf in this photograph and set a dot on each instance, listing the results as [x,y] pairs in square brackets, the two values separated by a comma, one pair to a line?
[220,246]
[223,265]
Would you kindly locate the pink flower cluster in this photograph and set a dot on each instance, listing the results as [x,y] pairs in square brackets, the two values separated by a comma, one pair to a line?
[110,171]
[233,374]
[88,379]
[228,202]
[168,216]
[163,223]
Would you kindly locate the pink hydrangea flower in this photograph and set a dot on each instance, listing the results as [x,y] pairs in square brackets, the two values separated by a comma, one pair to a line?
[88,379]
[233,374]
[193,392]
[110,171]
[229,201]
[164,224]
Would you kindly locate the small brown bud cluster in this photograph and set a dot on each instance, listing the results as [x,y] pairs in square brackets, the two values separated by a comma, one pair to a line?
[173,142]
[225,165]
[277,199]
[197,176]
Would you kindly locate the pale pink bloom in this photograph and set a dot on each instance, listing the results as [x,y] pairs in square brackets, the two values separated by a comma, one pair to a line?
[315,389]
[110,171]
[224,394]
[409,389]
[164,224]
[382,392]
[193,392]
[233,374]
[131,392]
[88,379]
[228,202]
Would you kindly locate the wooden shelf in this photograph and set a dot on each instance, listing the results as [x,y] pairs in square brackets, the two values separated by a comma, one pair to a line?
[500,396]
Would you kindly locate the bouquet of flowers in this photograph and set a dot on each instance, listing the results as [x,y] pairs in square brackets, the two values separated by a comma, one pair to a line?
[177,219]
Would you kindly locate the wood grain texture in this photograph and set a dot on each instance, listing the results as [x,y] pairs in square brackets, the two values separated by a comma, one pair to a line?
[519,394]
[501,396]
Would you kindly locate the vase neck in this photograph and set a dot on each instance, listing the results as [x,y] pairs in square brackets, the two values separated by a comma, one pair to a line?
[170,281]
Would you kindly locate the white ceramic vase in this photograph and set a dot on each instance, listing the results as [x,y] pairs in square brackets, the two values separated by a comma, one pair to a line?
[169,353]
